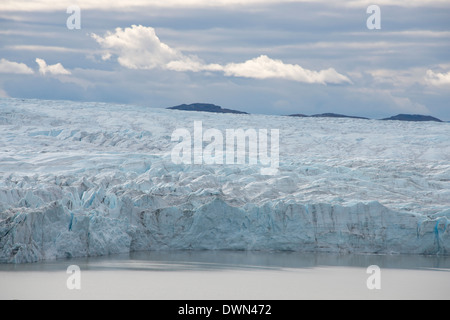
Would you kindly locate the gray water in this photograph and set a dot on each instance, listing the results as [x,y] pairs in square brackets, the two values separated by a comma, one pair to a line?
[230,276]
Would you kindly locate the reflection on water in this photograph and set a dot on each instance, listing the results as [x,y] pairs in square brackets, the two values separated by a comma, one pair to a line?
[235,260]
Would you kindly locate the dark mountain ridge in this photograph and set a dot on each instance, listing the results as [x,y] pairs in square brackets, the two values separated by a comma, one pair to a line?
[413,117]
[205,107]
[335,115]
[400,117]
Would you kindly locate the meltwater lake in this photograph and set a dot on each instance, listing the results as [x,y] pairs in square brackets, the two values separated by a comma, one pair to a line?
[228,275]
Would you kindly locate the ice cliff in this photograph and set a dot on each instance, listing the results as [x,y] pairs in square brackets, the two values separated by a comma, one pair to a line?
[89,179]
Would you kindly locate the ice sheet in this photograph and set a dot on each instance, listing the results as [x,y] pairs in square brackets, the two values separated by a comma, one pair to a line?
[86,179]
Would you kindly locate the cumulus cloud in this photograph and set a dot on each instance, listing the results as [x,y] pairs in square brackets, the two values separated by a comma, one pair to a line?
[56,69]
[14,67]
[136,47]
[437,79]
[139,47]
[264,67]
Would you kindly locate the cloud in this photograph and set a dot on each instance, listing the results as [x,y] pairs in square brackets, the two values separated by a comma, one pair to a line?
[437,79]
[14,67]
[56,69]
[400,3]
[404,104]
[35,48]
[51,5]
[398,78]
[264,67]
[192,64]
[139,47]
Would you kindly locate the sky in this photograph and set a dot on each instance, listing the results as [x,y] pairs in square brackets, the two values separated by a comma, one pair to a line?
[259,56]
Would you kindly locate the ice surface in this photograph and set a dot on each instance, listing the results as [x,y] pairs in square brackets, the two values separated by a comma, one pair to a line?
[88,179]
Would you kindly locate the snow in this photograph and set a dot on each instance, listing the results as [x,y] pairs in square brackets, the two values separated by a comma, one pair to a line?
[90,179]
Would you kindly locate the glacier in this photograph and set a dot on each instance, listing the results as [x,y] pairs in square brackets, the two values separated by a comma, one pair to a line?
[90,179]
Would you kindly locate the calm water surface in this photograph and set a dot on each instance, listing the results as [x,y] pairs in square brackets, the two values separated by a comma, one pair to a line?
[230,276]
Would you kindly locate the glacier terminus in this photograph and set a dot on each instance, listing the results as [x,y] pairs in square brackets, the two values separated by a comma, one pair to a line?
[91,179]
